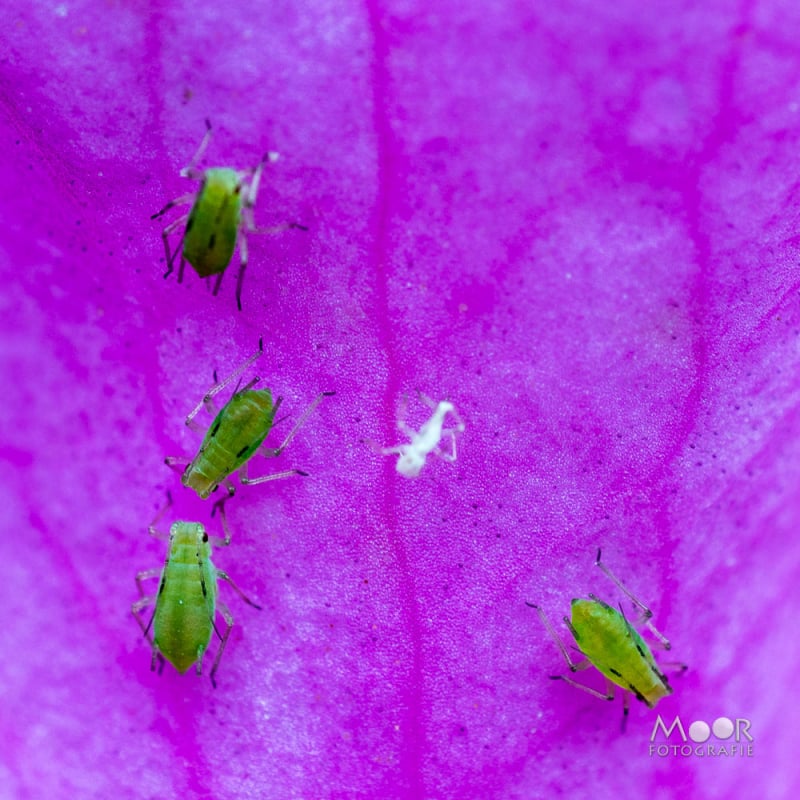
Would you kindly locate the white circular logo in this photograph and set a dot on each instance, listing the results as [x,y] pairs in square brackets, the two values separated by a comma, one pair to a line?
[722,728]
[699,731]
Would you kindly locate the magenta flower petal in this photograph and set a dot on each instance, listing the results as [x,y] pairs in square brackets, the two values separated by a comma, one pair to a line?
[577,221]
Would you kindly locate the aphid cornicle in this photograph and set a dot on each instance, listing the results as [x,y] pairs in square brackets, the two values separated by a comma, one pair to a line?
[611,644]
[221,215]
[413,455]
[186,603]
[236,435]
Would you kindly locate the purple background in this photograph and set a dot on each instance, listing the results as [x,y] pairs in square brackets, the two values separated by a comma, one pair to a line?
[577,220]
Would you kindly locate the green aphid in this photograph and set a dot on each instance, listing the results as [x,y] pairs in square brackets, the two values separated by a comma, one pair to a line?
[221,216]
[236,435]
[611,644]
[186,602]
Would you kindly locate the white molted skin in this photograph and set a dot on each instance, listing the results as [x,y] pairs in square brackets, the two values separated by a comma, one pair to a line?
[412,456]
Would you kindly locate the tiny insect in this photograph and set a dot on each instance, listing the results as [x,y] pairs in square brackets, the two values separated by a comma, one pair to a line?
[236,435]
[186,602]
[221,215]
[412,456]
[611,644]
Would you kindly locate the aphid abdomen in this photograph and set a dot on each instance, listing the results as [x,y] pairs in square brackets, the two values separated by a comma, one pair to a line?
[213,224]
[187,598]
[611,643]
[248,422]
[233,438]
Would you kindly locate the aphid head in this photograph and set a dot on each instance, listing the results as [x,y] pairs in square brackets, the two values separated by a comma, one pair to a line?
[187,533]
[197,480]
[410,462]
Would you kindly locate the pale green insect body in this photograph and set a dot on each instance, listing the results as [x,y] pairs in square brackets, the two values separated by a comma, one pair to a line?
[220,218]
[186,604]
[187,598]
[214,222]
[612,645]
[236,435]
[233,438]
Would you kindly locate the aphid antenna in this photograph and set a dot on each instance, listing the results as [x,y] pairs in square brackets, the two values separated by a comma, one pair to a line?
[152,529]
[190,170]
[273,452]
[641,607]
[218,387]
[645,614]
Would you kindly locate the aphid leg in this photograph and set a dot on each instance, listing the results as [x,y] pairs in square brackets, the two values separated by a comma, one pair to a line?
[250,194]
[176,463]
[199,667]
[431,403]
[382,451]
[402,410]
[170,254]
[428,401]
[145,575]
[207,401]
[136,609]
[609,695]
[573,666]
[644,612]
[450,433]
[216,540]
[190,170]
[273,452]
[183,200]
[246,480]
[225,611]
[143,602]
[273,229]
[223,576]
[217,284]
[248,386]
[153,530]
[678,666]
[626,700]
[392,451]
[243,257]
[182,265]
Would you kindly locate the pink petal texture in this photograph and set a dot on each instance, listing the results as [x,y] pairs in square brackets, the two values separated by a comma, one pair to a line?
[576,220]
